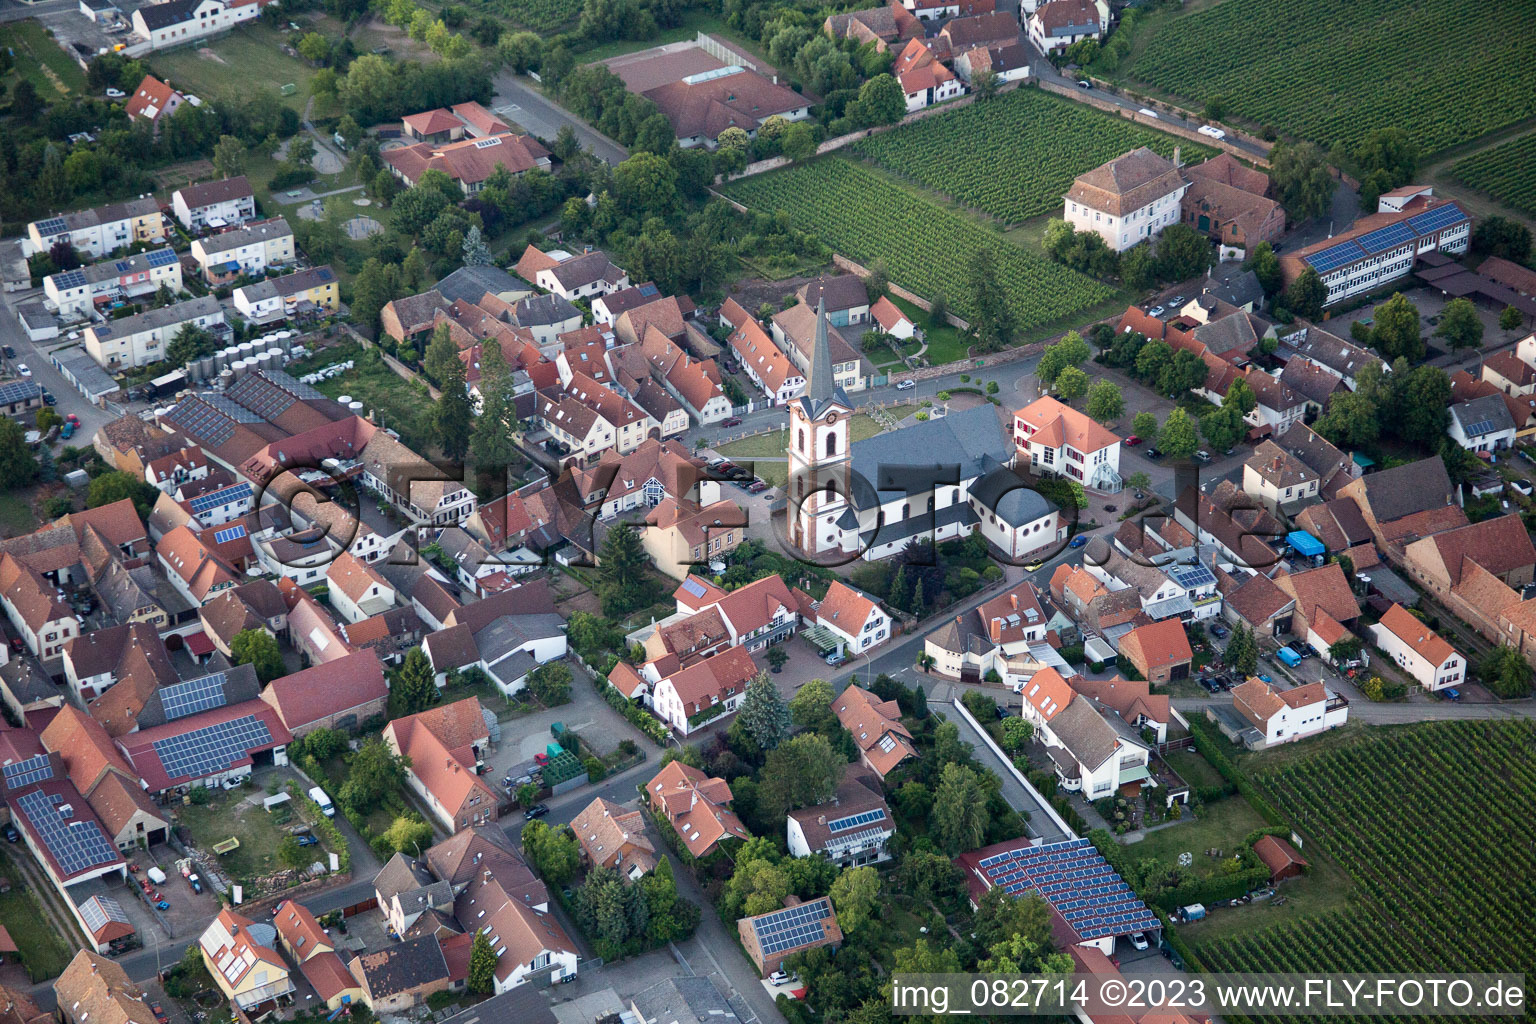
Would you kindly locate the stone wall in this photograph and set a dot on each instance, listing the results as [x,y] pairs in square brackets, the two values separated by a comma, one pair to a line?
[1109,106]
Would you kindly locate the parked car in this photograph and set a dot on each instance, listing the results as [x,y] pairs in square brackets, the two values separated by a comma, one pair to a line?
[536,811]
[1147,112]
[732,421]
[308,841]
[1211,685]
[1153,454]
[906,385]
[1218,631]
[48,398]
[24,369]
[1176,302]
[783,977]
[1212,131]
[159,1012]
[1156,311]
[836,658]
[1078,541]
[541,759]
[757,487]
[10,353]
[1203,455]
[1132,441]
[117,94]
[1083,83]
[17,644]
[1450,693]
[11,835]
[1139,940]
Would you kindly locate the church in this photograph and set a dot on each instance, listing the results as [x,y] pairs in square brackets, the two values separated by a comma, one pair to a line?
[938,479]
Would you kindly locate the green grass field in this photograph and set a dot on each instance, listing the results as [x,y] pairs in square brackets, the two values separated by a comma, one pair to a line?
[1504,172]
[229,814]
[40,60]
[945,344]
[926,247]
[1048,141]
[43,951]
[391,401]
[773,445]
[1445,71]
[249,58]
[16,516]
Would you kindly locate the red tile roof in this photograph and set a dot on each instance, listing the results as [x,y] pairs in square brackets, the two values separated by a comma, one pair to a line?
[332,688]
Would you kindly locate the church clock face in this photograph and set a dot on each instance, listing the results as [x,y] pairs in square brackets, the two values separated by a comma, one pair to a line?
[831,418]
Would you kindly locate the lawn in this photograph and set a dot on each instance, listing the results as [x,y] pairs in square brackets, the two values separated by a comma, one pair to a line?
[772,447]
[43,952]
[946,344]
[233,814]
[40,60]
[694,22]
[1222,826]
[16,516]
[388,400]
[1193,768]
[249,56]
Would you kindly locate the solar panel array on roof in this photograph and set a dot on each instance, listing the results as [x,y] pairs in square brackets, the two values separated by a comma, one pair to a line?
[1191,576]
[1389,237]
[1479,428]
[292,385]
[791,927]
[182,699]
[98,910]
[855,820]
[51,226]
[1438,219]
[69,279]
[1335,257]
[231,408]
[210,750]
[1077,881]
[262,397]
[18,391]
[223,496]
[77,845]
[24,773]
[693,587]
[161,257]
[229,533]
[200,421]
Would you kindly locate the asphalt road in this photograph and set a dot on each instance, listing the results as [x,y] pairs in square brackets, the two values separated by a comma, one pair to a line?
[43,371]
[519,99]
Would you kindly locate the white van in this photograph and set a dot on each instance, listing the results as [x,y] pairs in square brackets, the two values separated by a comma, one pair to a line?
[1212,131]
[318,796]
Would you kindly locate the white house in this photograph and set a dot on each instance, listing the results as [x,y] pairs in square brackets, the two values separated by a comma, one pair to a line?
[139,340]
[853,828]
[1055,438]
[923,79]
[248,250]
[1286,715]
[357,591]
[584,276]
[1128,200]
[1422,652]
[1057,24]
[704,691]
[764,362]
[227,202]
[101,231]
[77,292]
[175,22]
[853,618]
[1093,753]
[1483,424]
[892,320]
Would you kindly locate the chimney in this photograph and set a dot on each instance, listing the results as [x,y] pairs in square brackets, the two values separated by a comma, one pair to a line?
[1177,161]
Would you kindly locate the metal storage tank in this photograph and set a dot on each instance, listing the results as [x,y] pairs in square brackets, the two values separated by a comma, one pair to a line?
[278,357]
[246,348]
[345,399]
[240,368]
[356,407]
[284,335]
[206,368]
[221,360]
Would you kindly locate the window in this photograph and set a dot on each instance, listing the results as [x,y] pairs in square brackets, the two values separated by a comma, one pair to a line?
[832,442]
[802,441]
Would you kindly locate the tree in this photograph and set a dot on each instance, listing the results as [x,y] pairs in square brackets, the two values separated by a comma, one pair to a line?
[1178,438]
[492,439]
[959,820]
[229,156]
[1302,181]
[441,353]
[1138,267]
[482,964]
[314,47]
[521,50]
[1105,402]
[880,101]
[301,151]
[1242,653]
[1510,319]
[373,289]
[18,466]
[1421,403]
[1017,732]
[802,772]
[1071,350]
[1500,236]
[191,342]
[552,852]
[453,416]
[776,657]
[992,319]
[1396,333]
[476,252]
[1350,422]
[1139,481]
[1344,650]
[1001,916]
[1241,397]
[292,855]
[1182,253]
[1184,372]
[1144,424]
[550,683]
[854,897]
[811,706]
[1459,324]
[645,185]
[408,835]
[1384,159]
[1071,384]
[1266,267]
[258,648]
[1222,427]
[1306,295]
[1152,359]
[117,485]
[412,688]
[623,577]
[373,773]
[763,714]
[1506,673]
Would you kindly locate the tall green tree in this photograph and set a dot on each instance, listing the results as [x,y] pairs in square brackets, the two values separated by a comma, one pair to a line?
[1242,653]
[1306,295]
[1266,267]
[1222,427]
[257,648]
[855,897]
[116,485]
[763,714]
[1071,384]
[373,773]
[992,319]
[453,416]
[372,290]
[412,689]
[1071,350]
[1460,325]
[801,772]
[1502,237]
[1302,181]
[1396,332]
[552,851]
[1178,437]
[1384,159]
[408,835]
[476,252]
[229,156]
[1105,402]
[811,706]
[482,964]
[440,355]
[959,819]
[1510,319]
[492,441]
[1144,424]
[624,581]
[1350,422]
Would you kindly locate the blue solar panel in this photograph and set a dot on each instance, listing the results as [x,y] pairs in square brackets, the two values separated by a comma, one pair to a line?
[855,820]
[1440,217]
[224,496]
[24,773]
[182,699]
[208,751]
[791,927]
[51,226]
[77,845]
[161,257]
[1389,237]
[69,279]
[229,533]
[1335,257]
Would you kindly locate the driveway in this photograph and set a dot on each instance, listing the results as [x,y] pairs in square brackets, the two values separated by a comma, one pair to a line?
[518,100]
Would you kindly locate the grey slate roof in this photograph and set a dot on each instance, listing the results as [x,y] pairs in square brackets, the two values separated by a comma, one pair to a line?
[240,684]
[403,967]
[1481,416]
[1083,731]
[524,1004]
[179,312]
[842,291]
[542,310]
[974,440]
[469,284]
[683,1001]
[1007,495]
[401,874]
[1403,490]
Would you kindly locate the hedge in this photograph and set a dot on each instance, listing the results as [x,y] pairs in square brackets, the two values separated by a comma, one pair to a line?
[636,716]
[1213,889]
[1206,744]
[323,824]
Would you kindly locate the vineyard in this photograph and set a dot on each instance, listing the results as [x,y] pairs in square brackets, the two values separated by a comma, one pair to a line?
[1013,157]
[1446,71]
[925,247]
[1504,172]
[534,15]
[1433,822]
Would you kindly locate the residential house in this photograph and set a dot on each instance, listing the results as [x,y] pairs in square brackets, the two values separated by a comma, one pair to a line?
[763,361]
[1342,529]
[772,938]
[413,317]
[399,977]
[1406,502]
[892,320]
[701,106]
[1509,373]
[468,163]
[142,339]
[1278,479]
[1007,62]
[94,988]
[1093,753]
[883,742]
[1482,424]
[100,231]
[690,697]
[36,608]
[95,661]
[1230,203]
[502,899]
[248,250]
[1009,634]
[356,590]
[881,26]
[572,276]
[214,204]
[1254,600]
[98,770]
[853,618]
[1319,593]
[668,314]
[176,22]
[924,80]
[1313,383]
[1500,546]
[696,806]
[1418,649]
[1284,716]
[444,744]
[682,535]
[1128,200]
[1342,358]
[407,889]
[794,331]
[1131,699]
[854,828]
[1159,651]
[257,605]
[613,837]
[306,293]
[606,308]
[328,975]
[78,293]
[299,932]
[340,694]
[643,478]
[242,962]
[1241,530]
[1057,24]
[1062,441]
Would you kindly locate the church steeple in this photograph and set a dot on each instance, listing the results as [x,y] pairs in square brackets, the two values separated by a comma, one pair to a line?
[822,385]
